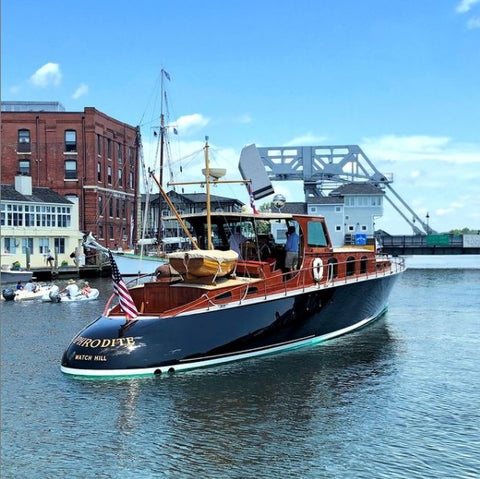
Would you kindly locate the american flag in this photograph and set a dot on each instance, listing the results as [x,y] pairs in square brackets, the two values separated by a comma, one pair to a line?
[121,290]
[252,199]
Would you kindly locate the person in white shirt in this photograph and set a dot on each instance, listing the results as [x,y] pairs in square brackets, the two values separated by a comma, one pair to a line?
[71,288]
[235,241]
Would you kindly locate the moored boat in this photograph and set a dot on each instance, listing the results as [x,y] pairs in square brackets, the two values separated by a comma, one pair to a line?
[256,309]
[131,264]
[9,276]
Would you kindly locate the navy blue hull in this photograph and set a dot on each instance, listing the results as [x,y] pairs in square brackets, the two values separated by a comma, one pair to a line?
[111,344]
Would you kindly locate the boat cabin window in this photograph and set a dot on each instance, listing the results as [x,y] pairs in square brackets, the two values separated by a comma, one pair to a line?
[363,265]
[316,234]
[332,268]
[350,266]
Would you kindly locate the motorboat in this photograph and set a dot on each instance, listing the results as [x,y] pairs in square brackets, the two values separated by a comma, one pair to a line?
[37,293]
[178,321]
[10,276]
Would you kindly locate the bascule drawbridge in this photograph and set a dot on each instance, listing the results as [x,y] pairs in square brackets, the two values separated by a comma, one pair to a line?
[322,169]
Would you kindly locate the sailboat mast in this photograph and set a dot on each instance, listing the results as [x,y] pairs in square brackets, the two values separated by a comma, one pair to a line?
[207,184]
[162,148]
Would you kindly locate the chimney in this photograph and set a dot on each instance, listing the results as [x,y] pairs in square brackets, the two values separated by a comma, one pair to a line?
[23,184]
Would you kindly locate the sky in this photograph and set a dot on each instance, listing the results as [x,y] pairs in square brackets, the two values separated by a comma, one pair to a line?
[399,78]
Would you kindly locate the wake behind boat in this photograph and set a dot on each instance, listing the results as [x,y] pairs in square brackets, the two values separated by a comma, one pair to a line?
[268,302]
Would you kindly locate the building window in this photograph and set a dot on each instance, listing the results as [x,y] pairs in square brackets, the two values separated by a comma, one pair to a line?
[131,156]
[10,245]
[118,207]
[70,169]
[109,148]
[109,175]
[338,228]
[64,217]
[124,209]
[131,180]
[29,215]
[70,140]
[23,141]
[110,207]
[120,177]
[99,171]
[338,209]
[43,245]
[24,167]
[110,231]
[59,245]
[100,205]
[27,243]
[100,231]
[119,153]
[99,145]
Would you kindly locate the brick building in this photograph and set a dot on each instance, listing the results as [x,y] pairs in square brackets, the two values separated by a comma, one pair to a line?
[87,157]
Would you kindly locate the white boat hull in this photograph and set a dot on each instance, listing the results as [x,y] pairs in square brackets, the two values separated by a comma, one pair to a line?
[133,265]
[12,276]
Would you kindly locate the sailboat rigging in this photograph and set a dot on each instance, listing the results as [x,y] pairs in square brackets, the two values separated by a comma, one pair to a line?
[138,264]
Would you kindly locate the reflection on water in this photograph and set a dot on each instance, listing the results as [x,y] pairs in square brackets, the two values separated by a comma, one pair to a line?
[357,406]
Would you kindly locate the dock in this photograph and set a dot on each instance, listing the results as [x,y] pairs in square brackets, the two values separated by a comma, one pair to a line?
[67,272]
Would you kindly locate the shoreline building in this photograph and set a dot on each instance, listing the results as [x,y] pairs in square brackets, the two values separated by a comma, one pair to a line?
[86,156]
[36,223]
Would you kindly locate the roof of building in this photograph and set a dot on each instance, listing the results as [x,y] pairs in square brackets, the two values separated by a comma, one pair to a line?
[39,195]
[294,208]
[325,200]
[195,198]
[357,189]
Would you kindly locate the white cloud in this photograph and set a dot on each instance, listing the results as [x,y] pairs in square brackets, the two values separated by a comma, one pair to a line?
[420,147]
[243,119]
[47,75]
[473,23]
[82,90]
[188,124]
[465,5]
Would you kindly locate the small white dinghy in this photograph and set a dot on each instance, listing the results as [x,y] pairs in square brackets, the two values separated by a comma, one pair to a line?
[38,293]
[54,296]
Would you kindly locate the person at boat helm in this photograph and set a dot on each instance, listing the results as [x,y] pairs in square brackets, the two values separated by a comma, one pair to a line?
[291,249]
[235,241]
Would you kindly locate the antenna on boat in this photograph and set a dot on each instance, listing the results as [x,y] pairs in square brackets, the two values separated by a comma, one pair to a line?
[212,175]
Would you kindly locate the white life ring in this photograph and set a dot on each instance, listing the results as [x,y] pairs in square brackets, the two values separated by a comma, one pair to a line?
[317,269]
